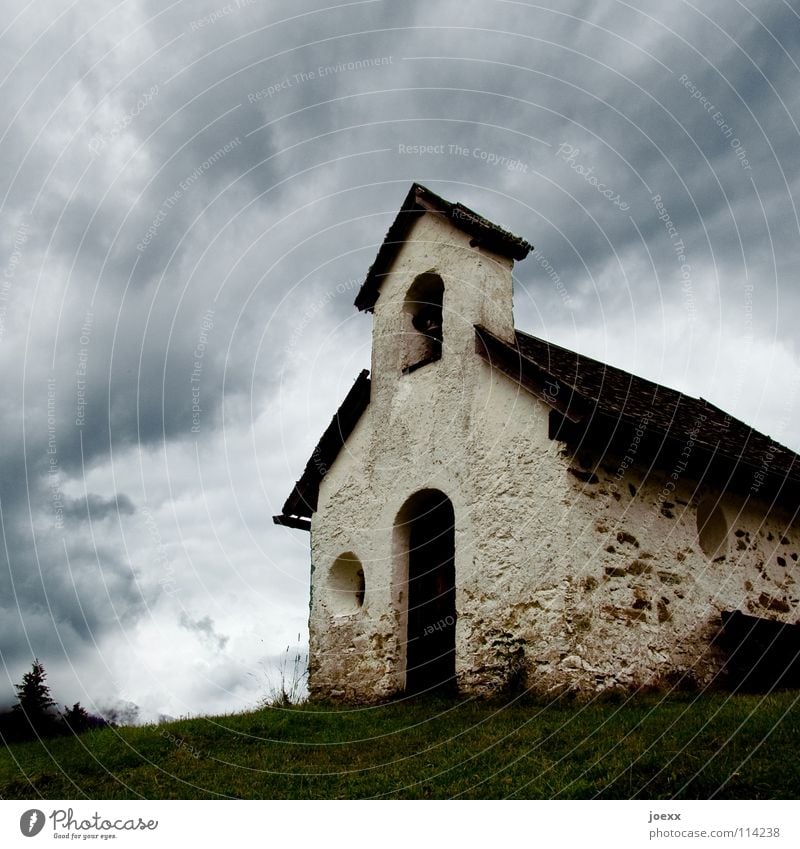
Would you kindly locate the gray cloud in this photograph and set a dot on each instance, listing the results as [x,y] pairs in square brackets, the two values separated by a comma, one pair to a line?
[95,507]
[204,627]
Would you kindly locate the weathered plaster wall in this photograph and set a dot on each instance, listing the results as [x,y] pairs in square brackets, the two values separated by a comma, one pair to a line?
[626,596]
[567,575]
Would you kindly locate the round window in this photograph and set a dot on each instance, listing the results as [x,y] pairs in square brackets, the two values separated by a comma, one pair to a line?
[346,585]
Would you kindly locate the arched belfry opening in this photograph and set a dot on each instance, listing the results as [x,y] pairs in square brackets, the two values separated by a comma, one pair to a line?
[425,547]
[422,309]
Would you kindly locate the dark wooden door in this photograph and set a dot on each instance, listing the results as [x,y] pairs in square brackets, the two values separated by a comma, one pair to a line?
[431,597]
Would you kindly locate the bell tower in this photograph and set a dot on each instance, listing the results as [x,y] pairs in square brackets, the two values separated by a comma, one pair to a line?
[441,270]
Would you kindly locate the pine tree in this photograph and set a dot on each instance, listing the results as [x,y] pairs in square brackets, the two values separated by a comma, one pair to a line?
[76,718]
[35,701]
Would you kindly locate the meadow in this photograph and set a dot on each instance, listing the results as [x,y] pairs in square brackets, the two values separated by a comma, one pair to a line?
[687,746]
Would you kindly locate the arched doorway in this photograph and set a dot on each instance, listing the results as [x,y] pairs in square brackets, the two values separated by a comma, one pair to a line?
[427,525]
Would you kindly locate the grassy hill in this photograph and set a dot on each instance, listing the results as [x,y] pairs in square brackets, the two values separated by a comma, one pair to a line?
[646,747]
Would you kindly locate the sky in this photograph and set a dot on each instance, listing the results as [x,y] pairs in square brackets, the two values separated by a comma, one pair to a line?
[191,195]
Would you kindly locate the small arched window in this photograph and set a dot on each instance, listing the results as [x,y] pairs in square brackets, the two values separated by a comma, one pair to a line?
[712,528]
[422,310]
[346,585]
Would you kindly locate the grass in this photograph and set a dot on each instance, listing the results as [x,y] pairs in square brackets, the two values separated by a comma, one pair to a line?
[681,746]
